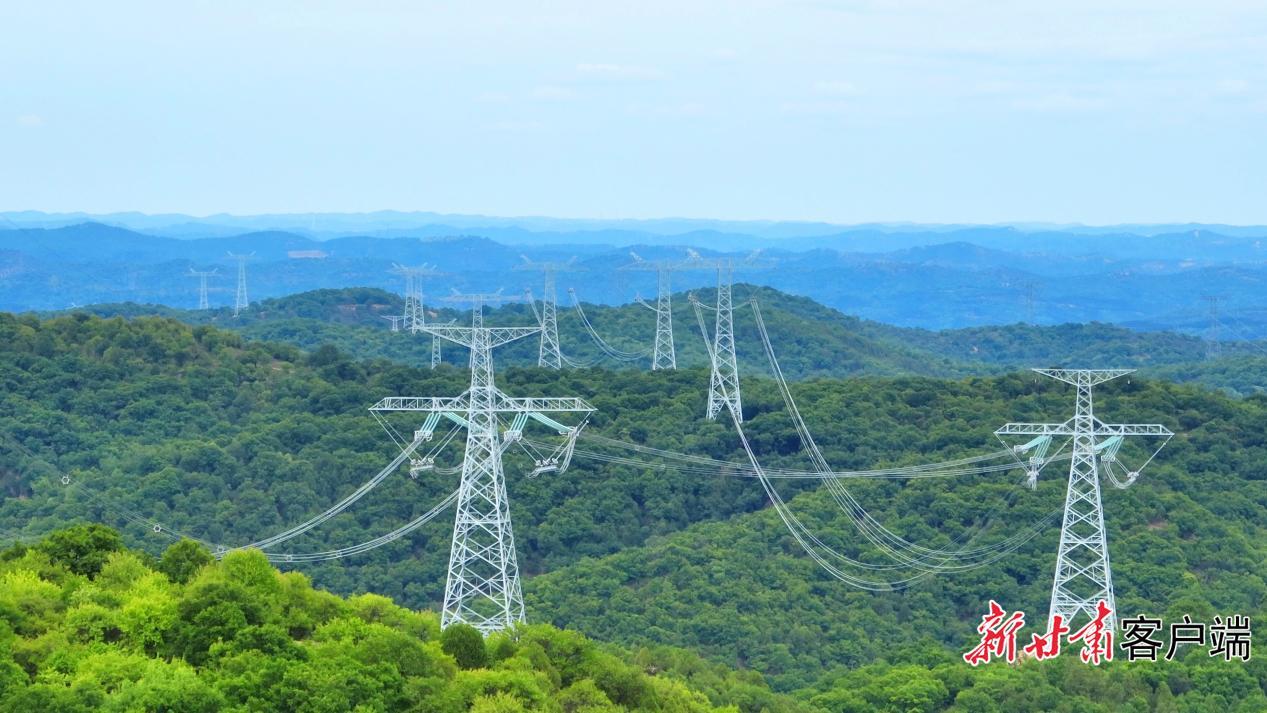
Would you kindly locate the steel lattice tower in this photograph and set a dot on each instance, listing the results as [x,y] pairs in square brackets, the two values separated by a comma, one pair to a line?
[1083,576]
[549,354]
[723,383]
[483,588]
[663,357]
[1212,345]
[203,302]
[415,319]
[240,300]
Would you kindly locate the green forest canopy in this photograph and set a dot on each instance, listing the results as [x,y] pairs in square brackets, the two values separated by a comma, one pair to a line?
[87,625]
[233,439]
[814,340]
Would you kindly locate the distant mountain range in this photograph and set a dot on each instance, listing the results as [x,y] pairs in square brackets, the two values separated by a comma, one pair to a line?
[906,275]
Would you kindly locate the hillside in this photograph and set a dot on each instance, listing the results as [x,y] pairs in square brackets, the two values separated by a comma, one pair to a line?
[230,440]
[815,340]
[86,625]
[1187,538]
[820,341]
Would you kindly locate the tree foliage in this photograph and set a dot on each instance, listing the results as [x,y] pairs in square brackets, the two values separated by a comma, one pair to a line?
[228,640]
[230,439]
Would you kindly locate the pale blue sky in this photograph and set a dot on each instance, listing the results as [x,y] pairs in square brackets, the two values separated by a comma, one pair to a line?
[847,111]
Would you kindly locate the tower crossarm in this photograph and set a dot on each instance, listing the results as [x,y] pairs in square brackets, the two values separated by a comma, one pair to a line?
[424,404]
[465,336]
[531,265]
[1131,429]
[1084,377]
[1036,429]
[509,404]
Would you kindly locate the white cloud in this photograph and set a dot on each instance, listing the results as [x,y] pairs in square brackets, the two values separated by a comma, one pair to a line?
[30,121]
[550,92]
[689,109]
[617,72]
[513,126]
[1231,86]
[1059,102]
[836,88]
[828,107]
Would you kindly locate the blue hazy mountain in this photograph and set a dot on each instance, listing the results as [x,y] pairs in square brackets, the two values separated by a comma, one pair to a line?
[917,276]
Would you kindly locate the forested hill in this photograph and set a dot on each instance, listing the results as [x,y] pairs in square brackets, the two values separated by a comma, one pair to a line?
[231,439]
[813,340]
[816,340]
[86,625]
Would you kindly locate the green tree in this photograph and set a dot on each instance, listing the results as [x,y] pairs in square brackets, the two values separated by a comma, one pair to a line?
[182,560]
[82,549]
[465,644]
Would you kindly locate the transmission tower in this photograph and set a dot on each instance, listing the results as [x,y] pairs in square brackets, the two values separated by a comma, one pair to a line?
[723,381]
[203,302]
[415,319]
[1212,345]
[240,301]
[663,356]
[1083,577]
[549,355]
[395,320]
[483,587]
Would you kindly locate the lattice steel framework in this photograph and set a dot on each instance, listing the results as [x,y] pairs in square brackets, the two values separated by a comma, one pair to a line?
[548,354]
[1213,347]
[203,302]
[1083,576]
[415,319]
[663,355]
[240,300]
[723,382]
[483,587]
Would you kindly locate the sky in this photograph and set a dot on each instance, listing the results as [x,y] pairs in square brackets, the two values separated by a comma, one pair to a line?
[848,111]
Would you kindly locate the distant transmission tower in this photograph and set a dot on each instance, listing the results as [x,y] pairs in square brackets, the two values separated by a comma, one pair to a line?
[1029,302]
[395,320]
[240,300]
[415,318]
[483,588]
[1083,577]
[203,302]
[723,382]
[663,355]
[548,354]
[1213,347]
